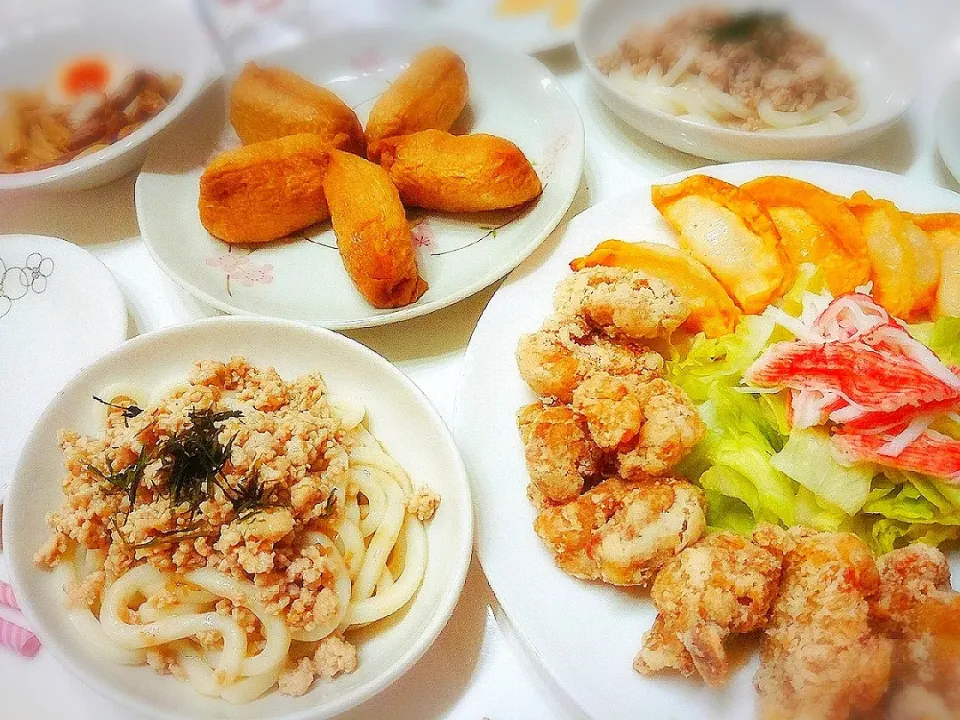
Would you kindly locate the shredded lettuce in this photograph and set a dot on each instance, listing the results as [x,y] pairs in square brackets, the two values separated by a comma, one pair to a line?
[808,458]
[942,336]
[753,468]
[723,360]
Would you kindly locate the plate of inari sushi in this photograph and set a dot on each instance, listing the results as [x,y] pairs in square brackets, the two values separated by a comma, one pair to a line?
[362,179]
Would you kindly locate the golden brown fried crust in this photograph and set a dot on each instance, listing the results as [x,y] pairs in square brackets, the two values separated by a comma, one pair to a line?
[622,532]
[723,584]
[267,103]
[428,95]
[621,303]
[820,659]
[435,170]
[651,424]
[560,355]
[560,455]
[372,232]
[264,191]
[908,576]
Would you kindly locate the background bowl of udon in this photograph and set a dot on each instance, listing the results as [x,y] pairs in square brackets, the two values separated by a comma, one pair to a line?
[401,418]
[887,78]
[165,37]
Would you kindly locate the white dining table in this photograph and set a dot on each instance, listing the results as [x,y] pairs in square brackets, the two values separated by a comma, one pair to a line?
[480,666]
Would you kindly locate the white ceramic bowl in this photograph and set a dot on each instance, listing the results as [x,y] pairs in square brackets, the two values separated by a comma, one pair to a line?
[401,418]
[160,36]
[887,78]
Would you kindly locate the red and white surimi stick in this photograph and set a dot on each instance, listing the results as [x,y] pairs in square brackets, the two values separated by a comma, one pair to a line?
[6,596]
[18,639]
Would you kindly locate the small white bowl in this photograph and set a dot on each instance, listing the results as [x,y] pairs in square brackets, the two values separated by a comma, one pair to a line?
[160,36]
[887,78]
[400,416]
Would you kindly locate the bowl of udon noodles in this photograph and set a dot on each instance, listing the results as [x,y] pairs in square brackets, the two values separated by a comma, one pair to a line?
[239,518]
[747,79]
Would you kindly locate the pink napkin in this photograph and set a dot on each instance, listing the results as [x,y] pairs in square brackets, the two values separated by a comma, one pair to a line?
[13,636]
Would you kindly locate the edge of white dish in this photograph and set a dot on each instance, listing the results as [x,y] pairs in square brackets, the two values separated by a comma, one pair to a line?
[19,560]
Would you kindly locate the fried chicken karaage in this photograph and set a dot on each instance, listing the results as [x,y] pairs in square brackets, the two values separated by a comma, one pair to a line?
[557,357]
[917,609]
[820,658]
[651,424]
[621,303]
[623,532]
[908,576]
[928,668]
[724,584]
[561,456]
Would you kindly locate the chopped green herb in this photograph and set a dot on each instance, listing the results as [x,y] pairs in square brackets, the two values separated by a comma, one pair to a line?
[129,411]
[745,26]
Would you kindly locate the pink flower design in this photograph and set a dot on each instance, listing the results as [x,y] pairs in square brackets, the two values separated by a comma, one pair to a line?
[422,233]
[250,275]
[367,61]
[549,161]
[237,266]
[229,262]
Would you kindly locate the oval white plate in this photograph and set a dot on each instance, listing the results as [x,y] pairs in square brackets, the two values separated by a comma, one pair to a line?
[140,36]
[587,634]
[400,416]
[510,95]
[948,129]
[60,309]
[533,30]
[887,78]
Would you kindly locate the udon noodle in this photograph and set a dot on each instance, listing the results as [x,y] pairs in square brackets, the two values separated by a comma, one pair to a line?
[753,71]
[298,528]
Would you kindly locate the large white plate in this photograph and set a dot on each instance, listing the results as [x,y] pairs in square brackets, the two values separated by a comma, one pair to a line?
[60,309]
[587,634]
[887,78]
[510,95]
[400,416]
[532,28]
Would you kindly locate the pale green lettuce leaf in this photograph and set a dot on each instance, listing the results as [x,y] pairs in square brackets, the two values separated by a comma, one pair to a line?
[807,457]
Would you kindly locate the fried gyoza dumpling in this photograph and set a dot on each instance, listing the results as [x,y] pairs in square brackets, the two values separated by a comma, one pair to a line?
[428,95]
[943,229]
[372,233]
[730,233]
[711,309]
[905,267]
[261,192]
[815,226]
[267,103]
[459,173]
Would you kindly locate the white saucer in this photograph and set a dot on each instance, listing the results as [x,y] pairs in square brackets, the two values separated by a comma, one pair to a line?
[302,278]
[60,309]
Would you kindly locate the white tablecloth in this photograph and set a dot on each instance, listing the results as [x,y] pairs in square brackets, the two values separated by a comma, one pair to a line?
[479,667]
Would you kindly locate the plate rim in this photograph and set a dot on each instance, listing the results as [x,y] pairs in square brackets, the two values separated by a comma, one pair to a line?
[414,310]
[450,596]
[556,670]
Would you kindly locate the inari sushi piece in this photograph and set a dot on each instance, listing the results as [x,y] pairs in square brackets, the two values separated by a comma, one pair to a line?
[375,242]
[459,173]
[267,103]
[261,192]
[428,95]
